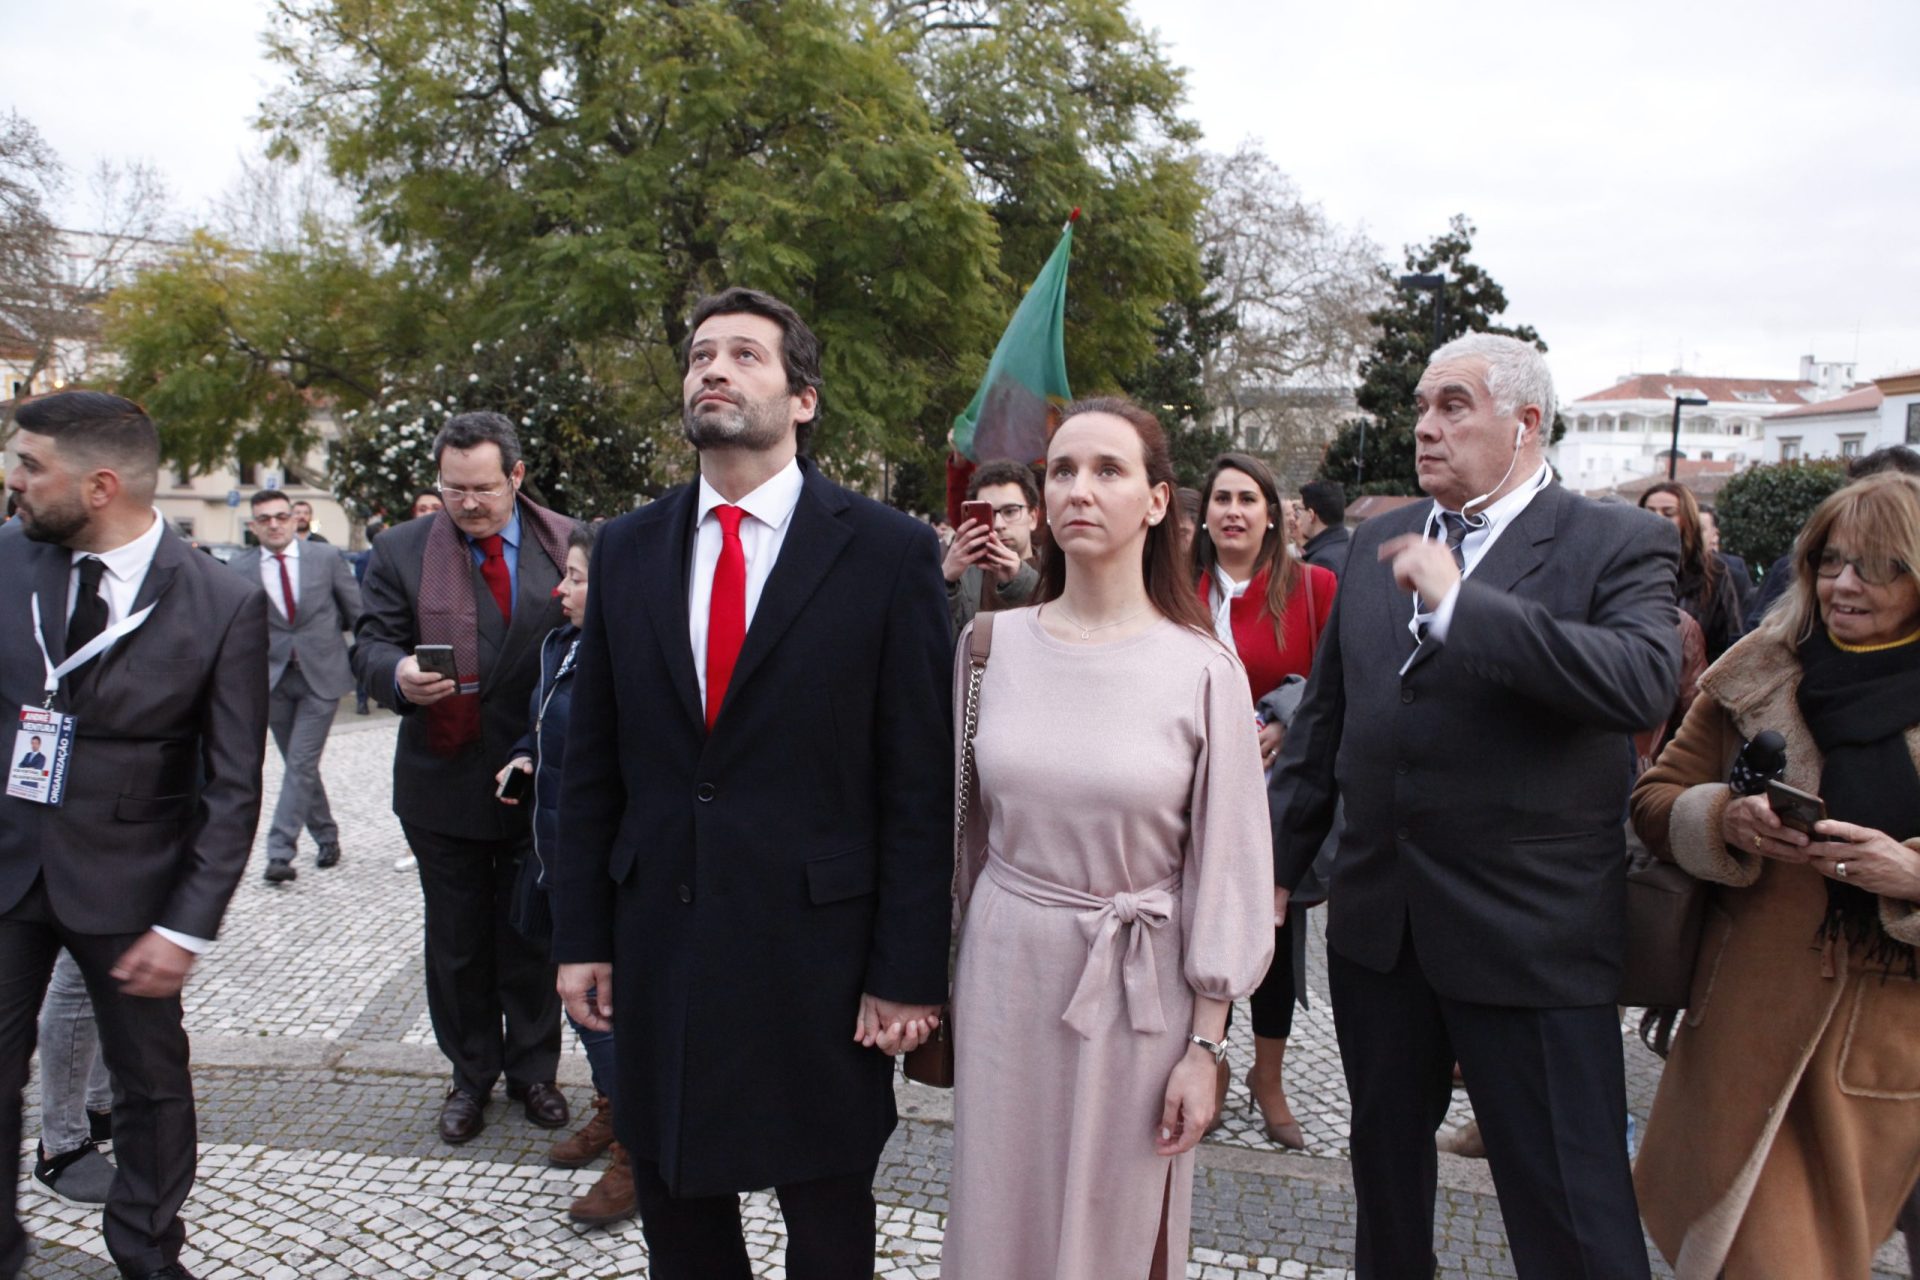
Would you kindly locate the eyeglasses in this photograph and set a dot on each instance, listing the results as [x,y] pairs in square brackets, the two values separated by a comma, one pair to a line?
[1875,571]
[1011,512]
[282,518]
[453,494]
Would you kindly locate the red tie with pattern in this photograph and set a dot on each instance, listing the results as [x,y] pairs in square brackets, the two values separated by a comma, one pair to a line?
[286,584]
[494,570]
[727,611]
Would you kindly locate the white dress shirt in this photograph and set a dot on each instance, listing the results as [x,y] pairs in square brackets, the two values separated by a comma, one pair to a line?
[126,572]
[1220,600]
[769,513]
[270,577]
[1474,547]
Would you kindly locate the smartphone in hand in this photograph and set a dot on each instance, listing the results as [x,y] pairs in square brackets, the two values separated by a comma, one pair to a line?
[435,660]
[515,785]
[1795,808]
[977,510]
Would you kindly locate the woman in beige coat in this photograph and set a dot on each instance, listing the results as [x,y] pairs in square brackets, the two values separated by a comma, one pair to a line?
[1786,1131]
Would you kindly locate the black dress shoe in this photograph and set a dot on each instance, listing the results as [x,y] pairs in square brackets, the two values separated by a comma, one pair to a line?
[172,1271]
[279,871]
[329,855]
[545,1105]
[462,1116]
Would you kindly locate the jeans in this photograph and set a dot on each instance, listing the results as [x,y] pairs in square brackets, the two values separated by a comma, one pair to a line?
[599,1047]
[73,1079]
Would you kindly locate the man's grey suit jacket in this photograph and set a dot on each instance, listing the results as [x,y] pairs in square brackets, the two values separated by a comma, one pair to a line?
[1486,788]
[163,789]
[327,608]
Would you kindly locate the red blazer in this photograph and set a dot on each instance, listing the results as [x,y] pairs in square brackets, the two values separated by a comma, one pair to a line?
[1268,663]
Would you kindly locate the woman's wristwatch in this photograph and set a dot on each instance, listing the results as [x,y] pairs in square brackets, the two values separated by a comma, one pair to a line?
[1214,1047]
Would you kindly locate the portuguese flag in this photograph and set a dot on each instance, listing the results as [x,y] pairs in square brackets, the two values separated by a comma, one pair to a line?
[1020,399]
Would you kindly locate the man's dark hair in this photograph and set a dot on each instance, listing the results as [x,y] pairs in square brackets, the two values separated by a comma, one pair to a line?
[1894,457]
[583,535]
[105,429]
[799,348]
[471,430]
[1327,499]
[425,493]
[1005,471]
[263,496]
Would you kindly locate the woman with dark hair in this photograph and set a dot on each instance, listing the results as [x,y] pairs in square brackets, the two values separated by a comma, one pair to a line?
[1270,609]
[1706,590]
[1113,886]
[1786,1131]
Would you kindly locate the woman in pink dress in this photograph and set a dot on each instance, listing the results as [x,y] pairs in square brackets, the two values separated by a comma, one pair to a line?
[1115,885]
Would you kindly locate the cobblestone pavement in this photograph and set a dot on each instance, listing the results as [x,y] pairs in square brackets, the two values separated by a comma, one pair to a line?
[318,1085]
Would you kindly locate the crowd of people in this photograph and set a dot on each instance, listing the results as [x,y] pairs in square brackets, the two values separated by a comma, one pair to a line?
[764,785]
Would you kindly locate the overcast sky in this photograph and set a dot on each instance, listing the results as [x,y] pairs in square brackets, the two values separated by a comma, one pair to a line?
[1724,185]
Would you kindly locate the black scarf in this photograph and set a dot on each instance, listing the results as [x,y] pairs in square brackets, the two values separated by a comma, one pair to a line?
[1858,707]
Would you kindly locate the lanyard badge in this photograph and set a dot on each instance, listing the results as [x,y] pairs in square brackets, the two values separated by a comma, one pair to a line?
[43,745]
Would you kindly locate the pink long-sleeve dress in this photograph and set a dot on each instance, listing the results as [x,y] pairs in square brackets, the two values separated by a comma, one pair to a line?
[1118,861]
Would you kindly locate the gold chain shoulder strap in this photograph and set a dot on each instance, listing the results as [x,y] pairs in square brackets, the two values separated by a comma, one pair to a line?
[980,645]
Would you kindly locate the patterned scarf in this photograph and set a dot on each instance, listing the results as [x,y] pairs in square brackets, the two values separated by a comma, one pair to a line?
[1858,707]
[444,614]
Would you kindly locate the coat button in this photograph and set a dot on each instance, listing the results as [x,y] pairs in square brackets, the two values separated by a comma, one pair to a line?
[686,894]
[1406,695]
[1401,768]
[1401,834]
[704,792]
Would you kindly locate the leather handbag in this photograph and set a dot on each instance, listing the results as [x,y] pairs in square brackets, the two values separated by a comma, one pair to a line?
[1666,909]
[932,1063]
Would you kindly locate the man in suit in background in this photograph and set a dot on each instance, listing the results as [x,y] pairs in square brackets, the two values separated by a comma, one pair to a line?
[756,820]
[477,577]
[1487,658]
[132,871]
[314,601]
[303,522]
[35,757]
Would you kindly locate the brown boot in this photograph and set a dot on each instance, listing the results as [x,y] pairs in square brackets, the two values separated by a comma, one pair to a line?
[584,1147]
[1267,1083]
[612,1198]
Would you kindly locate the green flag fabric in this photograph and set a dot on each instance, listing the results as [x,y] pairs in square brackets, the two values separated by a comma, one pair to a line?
[1026,384]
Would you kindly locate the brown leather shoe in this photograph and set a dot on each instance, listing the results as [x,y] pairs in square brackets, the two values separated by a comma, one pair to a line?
[544,1104]
[462,1116]
[611,1199]
[584,1146]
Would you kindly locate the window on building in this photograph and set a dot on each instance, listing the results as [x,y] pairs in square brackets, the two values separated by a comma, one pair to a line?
[1706,455]
[1790,449]
[1754,397]
[19,388]
[1913,423]
[1850,446]
[1736,428]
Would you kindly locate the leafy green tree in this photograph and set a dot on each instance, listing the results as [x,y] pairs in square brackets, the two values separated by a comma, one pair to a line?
[1378,456]
[1761,510]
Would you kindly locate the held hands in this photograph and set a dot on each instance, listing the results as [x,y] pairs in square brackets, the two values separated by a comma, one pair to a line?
[1423,565]
[1875,860]
[894,1028]
[1188,1108]
[1271,736]
[573,984]
[1750,825]
[418,687]
[153,967]
[523,764]
[1280,897]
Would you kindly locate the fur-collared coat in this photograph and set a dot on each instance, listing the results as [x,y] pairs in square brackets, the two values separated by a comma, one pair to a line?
[1786,1132]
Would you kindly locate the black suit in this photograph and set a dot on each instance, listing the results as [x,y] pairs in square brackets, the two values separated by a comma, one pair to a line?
[163,793]
[1478,895]
[749,885]
[489,991]
[32,760]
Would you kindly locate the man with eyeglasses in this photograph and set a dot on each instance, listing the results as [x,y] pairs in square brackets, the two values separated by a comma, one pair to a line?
[312,602]
[999,555]
[476,577]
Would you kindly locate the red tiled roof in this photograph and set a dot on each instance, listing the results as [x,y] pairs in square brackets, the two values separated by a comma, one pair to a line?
[1704,478]
[1865,400]
[1664,386]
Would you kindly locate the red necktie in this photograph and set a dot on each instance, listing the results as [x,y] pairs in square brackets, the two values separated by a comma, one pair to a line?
[494,570]
[727,611]
[286,584]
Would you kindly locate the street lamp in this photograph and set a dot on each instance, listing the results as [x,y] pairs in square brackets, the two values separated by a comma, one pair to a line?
[1673,454]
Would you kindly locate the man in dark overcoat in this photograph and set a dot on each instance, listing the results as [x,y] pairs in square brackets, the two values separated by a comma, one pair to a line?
[755,829]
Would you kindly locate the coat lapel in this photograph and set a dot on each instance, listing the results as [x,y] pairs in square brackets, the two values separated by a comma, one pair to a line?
[538,576]
[662,580]
[813,542]
[52,573]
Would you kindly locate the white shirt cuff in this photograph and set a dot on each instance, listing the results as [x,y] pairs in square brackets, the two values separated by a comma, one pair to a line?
[1442,619]
[199,946]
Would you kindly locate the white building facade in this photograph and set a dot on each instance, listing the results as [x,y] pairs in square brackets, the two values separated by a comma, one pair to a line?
[1884,412]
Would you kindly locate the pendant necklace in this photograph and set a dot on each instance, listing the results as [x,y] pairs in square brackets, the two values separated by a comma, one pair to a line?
[1086,632]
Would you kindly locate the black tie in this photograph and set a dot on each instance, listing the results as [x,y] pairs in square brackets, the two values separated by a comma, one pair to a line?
[1456,526]
[89,607]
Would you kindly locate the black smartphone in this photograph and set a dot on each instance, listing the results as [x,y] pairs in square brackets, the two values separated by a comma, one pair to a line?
[1795,808]
[435,660]
[515,785]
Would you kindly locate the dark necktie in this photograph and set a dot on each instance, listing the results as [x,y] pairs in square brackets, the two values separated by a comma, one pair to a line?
[494,570]
[1457,529]
[286,584]
[89,606]
[726,609]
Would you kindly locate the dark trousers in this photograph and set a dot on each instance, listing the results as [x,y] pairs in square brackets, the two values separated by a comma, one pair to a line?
[1549,1090]
[146,1052]
[830,1229]
[1272,1001]
[490,992]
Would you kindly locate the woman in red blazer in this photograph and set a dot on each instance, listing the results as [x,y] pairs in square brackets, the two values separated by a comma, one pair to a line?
[1271,609]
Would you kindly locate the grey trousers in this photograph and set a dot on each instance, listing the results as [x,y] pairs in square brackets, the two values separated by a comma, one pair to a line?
[300,719]
[73,1078]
